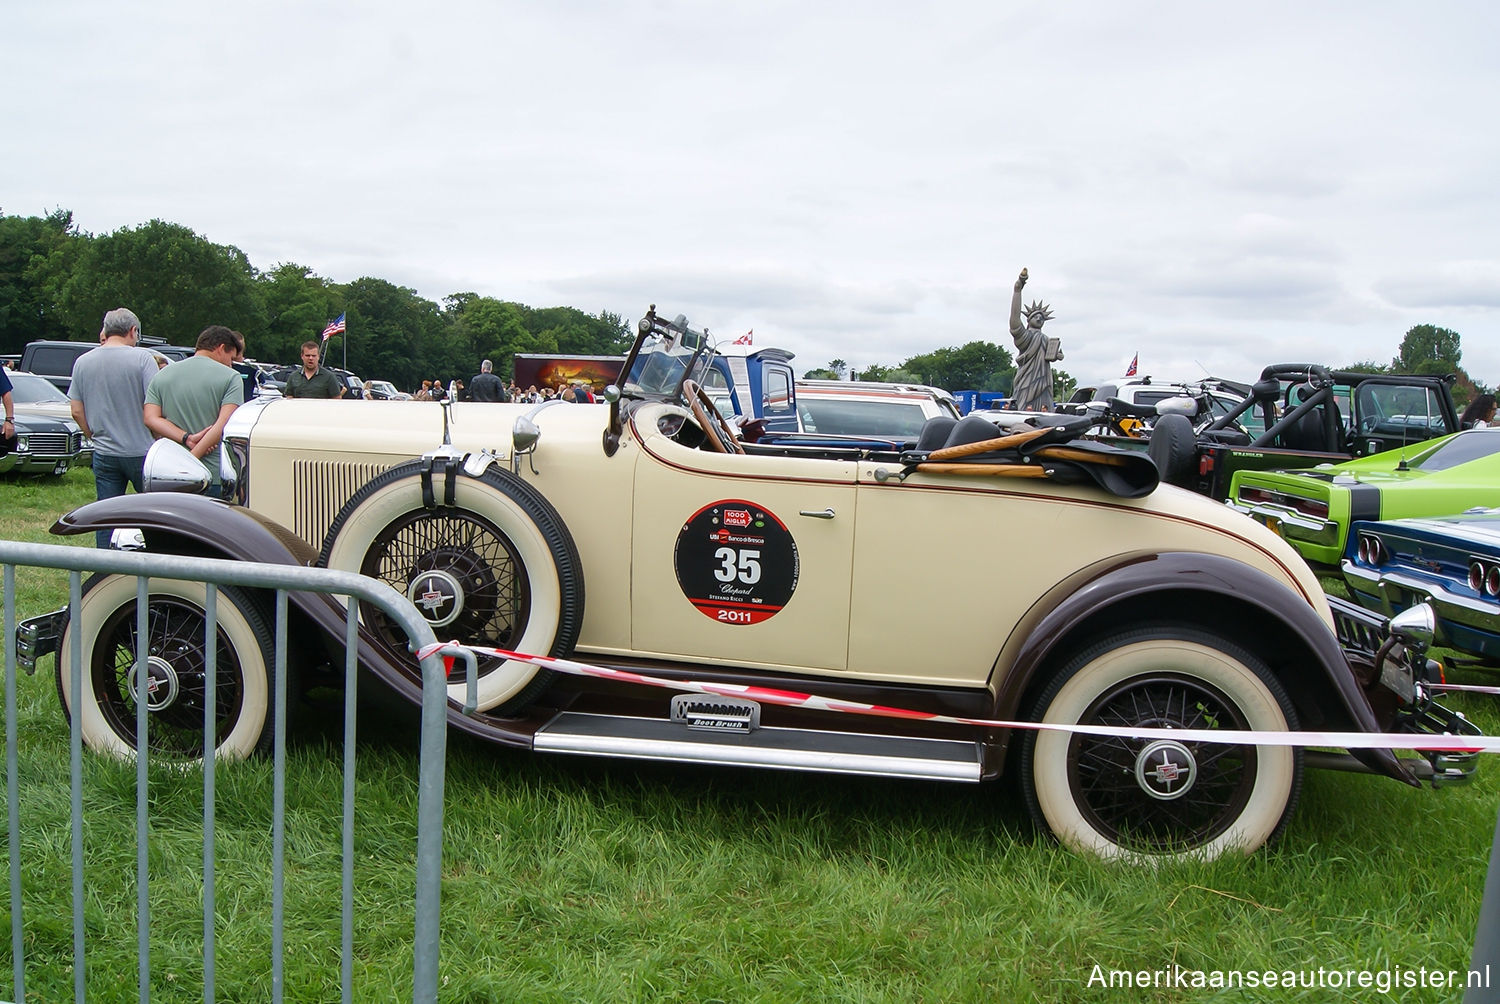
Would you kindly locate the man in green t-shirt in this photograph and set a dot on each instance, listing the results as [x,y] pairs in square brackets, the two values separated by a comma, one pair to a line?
[191,400]
[313,380]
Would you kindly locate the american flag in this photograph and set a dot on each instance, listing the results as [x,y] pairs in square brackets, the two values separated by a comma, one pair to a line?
[746,339]
[1129,371]
[335,327]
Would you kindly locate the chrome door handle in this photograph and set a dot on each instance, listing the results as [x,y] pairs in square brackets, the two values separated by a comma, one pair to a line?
[819,513]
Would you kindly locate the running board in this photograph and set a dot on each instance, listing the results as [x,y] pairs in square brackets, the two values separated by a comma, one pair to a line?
[776,748]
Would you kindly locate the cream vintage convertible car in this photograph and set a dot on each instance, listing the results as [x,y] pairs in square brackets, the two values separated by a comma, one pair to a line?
[1034,577]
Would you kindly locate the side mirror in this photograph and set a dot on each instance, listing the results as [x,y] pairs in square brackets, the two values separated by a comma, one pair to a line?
[171,468]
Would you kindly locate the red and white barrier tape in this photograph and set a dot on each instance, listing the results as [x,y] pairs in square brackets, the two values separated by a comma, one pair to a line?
[793,699]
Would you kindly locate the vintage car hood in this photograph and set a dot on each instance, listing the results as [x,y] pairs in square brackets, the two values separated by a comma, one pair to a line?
[411,428]
[43,423]
[58,411]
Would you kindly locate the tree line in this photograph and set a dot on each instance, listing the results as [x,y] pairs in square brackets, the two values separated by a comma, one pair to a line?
[56,282]
[1425,349]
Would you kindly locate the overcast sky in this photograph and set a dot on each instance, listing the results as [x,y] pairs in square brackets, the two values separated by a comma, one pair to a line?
[1216,186]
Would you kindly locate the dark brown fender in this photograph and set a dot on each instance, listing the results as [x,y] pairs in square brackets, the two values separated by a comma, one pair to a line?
[1232,585]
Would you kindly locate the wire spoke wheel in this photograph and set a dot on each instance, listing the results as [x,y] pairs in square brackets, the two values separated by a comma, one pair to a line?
[1160,796]
[173,678]
[1134,790]
[462,572]
[176,677]
[490,565]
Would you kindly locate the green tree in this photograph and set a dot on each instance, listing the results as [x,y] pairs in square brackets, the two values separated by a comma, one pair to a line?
[393,334]
[27,243]
[1063,384]
[488,328]
[1427,348]
[298,304]
[177,282]
[820,374]
[977,365]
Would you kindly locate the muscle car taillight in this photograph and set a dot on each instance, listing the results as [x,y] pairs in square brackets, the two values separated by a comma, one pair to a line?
[1484,577]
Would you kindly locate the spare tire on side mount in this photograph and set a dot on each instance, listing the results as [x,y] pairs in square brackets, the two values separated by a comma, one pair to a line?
[492,566]
[1173,448]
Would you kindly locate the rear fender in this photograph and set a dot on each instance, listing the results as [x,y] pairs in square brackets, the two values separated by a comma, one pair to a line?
[1113,596]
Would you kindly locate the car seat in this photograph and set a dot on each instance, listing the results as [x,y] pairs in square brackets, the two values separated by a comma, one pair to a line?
[1173,448]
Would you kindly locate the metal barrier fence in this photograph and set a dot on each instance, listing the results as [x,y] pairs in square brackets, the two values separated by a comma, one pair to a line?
[215,573]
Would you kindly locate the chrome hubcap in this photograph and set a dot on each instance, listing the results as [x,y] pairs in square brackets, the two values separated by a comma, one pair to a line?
[162,686]
[1166,770]
[438,595]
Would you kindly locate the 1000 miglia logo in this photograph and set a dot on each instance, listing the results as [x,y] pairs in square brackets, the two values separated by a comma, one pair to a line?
[736,562]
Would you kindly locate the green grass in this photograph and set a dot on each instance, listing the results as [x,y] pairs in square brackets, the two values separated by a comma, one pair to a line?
[579,880]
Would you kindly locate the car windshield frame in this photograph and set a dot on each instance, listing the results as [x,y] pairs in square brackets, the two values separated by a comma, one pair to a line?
[664,362]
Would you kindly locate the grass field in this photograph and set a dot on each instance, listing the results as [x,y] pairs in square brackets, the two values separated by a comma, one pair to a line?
[575,880]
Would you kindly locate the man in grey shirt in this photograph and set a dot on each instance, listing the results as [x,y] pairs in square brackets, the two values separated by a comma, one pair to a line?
[108,395]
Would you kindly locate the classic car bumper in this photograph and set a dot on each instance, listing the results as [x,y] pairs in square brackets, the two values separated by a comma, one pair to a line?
[1362,633]
[38,636]
[1464,622]
[1291,524]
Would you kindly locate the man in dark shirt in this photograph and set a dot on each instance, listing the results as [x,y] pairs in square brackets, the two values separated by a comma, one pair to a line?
[312,380]
[486,386]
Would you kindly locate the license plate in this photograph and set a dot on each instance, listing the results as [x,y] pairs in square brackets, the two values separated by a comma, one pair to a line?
[61,467]
[1270,523]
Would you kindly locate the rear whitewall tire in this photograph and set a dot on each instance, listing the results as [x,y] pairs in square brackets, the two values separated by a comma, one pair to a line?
[1136,666]
[496,504]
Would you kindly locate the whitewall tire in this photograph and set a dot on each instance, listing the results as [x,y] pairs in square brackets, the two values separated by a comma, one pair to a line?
[175,678]
[496,568]
[1161,797]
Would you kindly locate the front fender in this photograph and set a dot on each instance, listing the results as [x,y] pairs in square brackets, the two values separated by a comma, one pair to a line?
[194,524]
[1225,584]
[211,527]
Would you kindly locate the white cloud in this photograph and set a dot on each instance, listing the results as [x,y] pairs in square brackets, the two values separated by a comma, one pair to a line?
[1231,185]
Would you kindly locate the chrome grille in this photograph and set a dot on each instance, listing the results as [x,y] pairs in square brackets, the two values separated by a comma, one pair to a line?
[319,490]
[52,444]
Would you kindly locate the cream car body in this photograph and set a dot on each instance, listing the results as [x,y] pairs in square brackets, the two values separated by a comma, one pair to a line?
[965,577]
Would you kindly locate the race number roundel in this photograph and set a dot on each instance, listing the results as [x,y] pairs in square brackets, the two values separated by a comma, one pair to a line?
[736,562]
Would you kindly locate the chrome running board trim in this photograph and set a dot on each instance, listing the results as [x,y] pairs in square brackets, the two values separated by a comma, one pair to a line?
[775,748]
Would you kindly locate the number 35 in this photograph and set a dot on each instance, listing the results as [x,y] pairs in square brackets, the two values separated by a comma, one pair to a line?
[747,570]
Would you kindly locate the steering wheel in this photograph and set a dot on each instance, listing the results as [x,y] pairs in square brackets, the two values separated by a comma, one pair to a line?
[715,429]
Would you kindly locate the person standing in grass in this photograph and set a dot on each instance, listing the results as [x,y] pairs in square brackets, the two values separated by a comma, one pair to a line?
[485,386]
[190,401]
[107,396]
[312,380]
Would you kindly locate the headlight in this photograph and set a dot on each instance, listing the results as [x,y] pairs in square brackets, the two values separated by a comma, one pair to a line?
[23,444]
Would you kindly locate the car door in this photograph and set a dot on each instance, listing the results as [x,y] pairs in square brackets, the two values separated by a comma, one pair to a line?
[741,560]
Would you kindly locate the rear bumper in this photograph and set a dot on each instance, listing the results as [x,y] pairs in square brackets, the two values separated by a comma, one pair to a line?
[1465,622]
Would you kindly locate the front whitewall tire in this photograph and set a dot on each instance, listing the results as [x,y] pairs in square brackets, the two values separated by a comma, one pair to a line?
[526,548]
[106,703]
